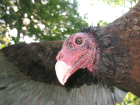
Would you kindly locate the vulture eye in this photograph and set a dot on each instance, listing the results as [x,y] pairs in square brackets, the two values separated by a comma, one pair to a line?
[78,41]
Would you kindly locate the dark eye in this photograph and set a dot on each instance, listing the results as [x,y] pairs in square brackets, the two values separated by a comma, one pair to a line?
[78,41]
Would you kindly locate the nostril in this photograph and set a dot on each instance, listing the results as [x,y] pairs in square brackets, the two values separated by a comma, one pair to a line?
[61,56]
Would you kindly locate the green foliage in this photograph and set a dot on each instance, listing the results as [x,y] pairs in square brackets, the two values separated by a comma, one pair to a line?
[121,2]
[41,19]
[3,40]
[102,23]
[130,99]
[2,46]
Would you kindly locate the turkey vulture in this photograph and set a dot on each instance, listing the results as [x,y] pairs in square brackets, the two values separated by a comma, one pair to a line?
[28,77]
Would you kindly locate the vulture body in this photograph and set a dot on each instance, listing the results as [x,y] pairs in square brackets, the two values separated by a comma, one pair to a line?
[109,68]
[29,78]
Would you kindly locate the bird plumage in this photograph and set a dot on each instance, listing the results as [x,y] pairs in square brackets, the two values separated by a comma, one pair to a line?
[23,90]
[27,73]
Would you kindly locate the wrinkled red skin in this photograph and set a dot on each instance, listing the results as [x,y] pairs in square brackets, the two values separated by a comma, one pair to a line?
[78,56]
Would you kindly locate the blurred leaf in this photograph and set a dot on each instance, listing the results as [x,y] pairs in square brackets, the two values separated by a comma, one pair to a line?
[121,2]
[41,19]
[102,23]
[130,99]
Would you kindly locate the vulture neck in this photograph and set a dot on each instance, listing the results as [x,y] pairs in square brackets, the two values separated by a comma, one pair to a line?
[111,61]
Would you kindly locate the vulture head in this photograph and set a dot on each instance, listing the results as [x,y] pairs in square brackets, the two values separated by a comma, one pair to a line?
[79,51]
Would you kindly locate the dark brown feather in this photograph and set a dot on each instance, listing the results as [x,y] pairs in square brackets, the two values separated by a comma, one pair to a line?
[37,61]
[119,64]
[119,45]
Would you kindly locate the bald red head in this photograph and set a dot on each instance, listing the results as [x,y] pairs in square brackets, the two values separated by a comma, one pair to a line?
[78,52]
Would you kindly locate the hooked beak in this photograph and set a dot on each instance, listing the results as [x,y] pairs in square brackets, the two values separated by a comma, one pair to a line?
[62,70]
